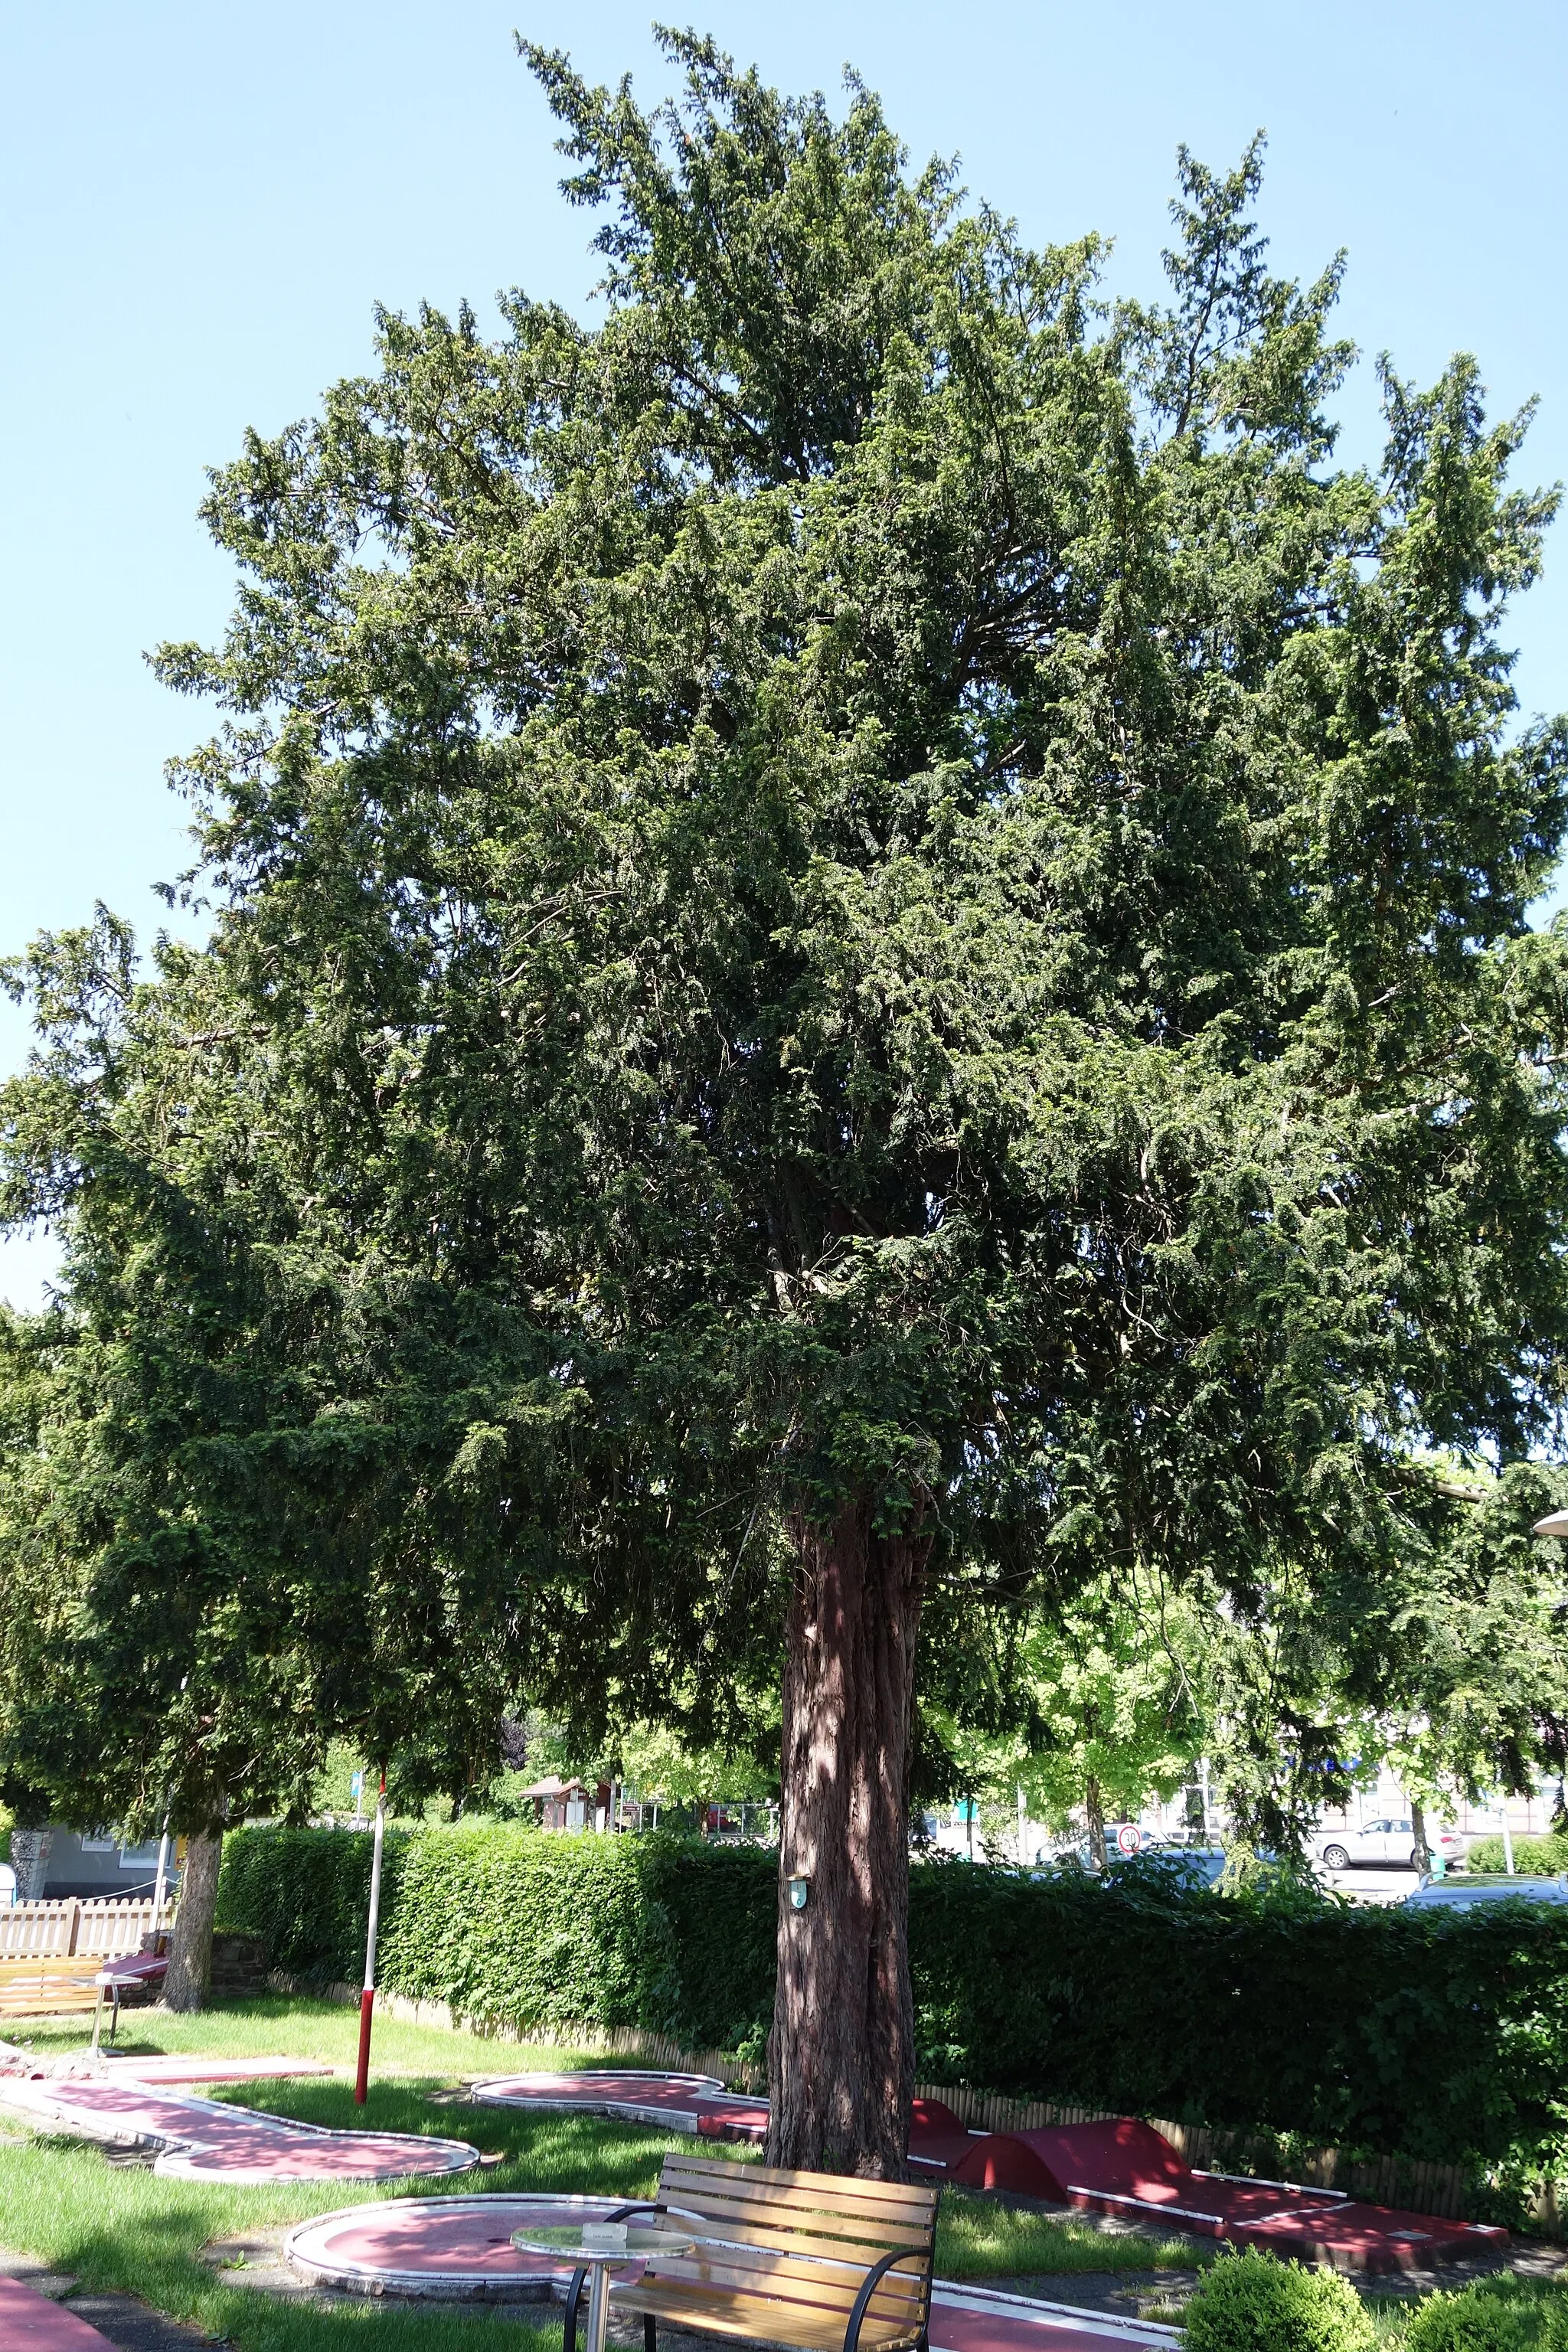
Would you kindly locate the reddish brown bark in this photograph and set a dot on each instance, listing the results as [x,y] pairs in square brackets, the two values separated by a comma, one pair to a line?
[188,1984]
[841,2053]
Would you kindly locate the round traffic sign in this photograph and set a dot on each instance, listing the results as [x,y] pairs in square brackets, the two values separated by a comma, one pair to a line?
[1127,1839]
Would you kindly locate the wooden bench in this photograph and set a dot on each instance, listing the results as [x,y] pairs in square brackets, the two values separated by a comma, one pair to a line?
[813,2260]
[47,1985]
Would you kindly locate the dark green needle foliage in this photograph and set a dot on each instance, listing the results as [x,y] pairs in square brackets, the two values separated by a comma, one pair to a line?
[869,884]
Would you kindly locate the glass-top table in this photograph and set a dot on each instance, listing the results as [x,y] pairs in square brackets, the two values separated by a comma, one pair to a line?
[599,2247]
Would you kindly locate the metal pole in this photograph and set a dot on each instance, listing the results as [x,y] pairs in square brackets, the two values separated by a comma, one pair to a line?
[162,1883]
[1507,1838]
[367,1998]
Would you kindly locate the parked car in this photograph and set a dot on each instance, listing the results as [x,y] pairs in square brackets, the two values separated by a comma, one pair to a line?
[1176,1865]
[1149,1842]
[1464,1894]
[1390,1842]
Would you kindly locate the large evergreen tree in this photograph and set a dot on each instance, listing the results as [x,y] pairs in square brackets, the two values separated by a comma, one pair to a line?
[886,880]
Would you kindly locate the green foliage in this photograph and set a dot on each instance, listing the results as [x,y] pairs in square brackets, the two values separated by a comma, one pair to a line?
[1252,2302]
[869,877]
[529,1930]
[521,1927]
[1533,1857]
[1385,2030]
[308,1893]
[1391,2031]
[1475,2321]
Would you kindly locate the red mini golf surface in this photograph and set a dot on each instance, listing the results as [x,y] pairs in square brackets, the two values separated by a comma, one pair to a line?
[695,2103]
[686,2103]
[446,2247]
[203,2140]
[208,2070]
[1129,2168]
[440,2246]
[31,2323]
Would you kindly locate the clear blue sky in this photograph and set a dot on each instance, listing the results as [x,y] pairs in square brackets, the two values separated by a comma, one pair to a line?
[204,202]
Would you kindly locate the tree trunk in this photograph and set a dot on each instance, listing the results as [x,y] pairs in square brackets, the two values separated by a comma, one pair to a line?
[1419,1846]
[841,2052]
[1094,1813]
[188,1984]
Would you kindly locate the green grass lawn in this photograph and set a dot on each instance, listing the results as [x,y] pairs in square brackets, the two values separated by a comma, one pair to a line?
[120,2228]
[278,2025]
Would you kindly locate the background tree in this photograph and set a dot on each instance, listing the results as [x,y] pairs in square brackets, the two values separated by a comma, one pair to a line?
[883,892]
[1092,1708]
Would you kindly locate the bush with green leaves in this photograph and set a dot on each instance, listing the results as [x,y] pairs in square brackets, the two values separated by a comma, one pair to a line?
[1533,1857]
[1396,2032]
[1252,2302]
[1478,2320]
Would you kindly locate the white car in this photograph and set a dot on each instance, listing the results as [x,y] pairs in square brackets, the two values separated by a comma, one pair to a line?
[1390,1842]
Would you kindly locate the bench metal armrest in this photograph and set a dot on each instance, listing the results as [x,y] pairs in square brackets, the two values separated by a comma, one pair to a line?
[868,2288]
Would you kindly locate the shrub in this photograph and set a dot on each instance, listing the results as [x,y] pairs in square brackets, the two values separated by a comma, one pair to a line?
[307,1894]
[1475,2321]
[1252,2302]
[1403,2032]
[1533,1857]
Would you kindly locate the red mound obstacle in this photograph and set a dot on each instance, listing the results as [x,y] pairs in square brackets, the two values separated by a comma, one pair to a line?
[31,2323]
[1129,2168]
[450,2247]
[201,2139]
[940,2138]
[683,2102]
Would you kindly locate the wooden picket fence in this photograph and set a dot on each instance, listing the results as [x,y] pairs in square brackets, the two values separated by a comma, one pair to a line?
[85,1928]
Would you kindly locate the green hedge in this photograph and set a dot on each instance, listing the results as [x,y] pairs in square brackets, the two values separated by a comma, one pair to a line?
[1533,1857]
[528,1929]
[1390,2031]
[307,1893]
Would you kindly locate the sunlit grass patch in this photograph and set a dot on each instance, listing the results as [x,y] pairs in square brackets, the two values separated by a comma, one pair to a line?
[978,2237]
[266,2025]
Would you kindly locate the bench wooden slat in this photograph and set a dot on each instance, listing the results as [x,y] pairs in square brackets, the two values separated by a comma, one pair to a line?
[759,2319]
[775,2224]
[842,2192]
[857,2252]
[779,2275]
[782,2256]
[777,2212]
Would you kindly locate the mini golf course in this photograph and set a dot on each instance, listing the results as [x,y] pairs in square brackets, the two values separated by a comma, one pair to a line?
[201,2139]
[451,2247]
[1118,2166]
[683,2102]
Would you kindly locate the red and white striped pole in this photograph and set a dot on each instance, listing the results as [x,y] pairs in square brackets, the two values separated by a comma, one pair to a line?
[367,1998]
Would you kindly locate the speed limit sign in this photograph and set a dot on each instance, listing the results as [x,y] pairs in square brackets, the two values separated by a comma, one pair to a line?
[1127,1839]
